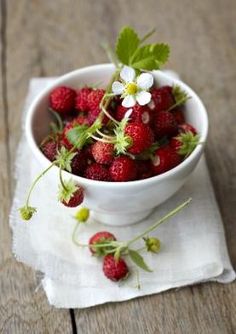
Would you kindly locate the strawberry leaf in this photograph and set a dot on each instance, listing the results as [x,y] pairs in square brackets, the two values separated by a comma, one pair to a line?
[180,97]
[127,43]
[150,57]
[138,260]
[78,135]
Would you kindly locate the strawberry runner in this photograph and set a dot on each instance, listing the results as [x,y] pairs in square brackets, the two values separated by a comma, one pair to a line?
[72,278]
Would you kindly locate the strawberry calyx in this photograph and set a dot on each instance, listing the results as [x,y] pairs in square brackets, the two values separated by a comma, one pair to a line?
[67,190]
[185,143]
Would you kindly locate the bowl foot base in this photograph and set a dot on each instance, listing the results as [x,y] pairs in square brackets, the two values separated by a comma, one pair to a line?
[117,219]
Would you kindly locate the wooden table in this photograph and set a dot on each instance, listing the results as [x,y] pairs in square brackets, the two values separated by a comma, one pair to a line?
[49,38]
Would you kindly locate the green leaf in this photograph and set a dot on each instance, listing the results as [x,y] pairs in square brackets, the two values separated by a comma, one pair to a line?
[150,57]
[138,260]
[77,135]
[180,96]
[127,43]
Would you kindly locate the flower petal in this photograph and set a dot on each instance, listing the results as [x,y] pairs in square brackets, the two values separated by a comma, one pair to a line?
[129,101]
[145,81]
[117,88]
[143,98]
[128,113]
[127,74]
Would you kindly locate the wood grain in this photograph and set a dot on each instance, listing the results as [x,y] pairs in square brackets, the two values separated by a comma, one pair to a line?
[53,37]
[22,309]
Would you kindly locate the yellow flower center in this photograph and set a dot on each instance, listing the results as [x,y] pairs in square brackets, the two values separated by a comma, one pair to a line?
[131,88]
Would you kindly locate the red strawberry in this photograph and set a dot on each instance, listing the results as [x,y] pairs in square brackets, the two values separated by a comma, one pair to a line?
[144,169]
[165,124]
[141,137]
[114,269]
[183,128]
[76,199]
[100,238]
[81,120]
[123,169]
[62,99]
[50,149]
[140,114]
[64,140]
[179,116]
[94,99]
[81,100]
[103,152]
[162,98]
[97,172]
[165,159]
[79,162]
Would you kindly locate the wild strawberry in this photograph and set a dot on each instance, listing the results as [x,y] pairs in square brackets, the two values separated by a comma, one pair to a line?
[184,143]
[165,124]
[187,128]
[50,149]
[114,269]
[100,238]
[64,140]
[140,114]
[123,169]
[79,162]
[163,98]
[81,100]
[97,172]
[141,137]
[62,99]
[81,120]
[144,169]
[178,115]
[71,194]
[165,159]
[103,152]
[94,98]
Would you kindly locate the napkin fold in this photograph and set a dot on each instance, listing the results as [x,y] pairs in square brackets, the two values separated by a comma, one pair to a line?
[193,242]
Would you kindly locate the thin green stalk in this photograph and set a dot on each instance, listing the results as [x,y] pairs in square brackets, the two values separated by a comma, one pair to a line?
[159,222]
[61,179]
[36,180]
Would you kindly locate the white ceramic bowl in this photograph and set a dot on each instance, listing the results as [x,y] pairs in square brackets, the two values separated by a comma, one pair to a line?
[119,203]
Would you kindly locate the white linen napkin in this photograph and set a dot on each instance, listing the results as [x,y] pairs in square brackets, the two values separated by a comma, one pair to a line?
[193,242]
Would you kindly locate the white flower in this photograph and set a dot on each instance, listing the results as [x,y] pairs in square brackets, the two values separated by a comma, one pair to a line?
[133,89]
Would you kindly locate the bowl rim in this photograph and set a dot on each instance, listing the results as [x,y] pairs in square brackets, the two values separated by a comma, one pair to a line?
[73,74]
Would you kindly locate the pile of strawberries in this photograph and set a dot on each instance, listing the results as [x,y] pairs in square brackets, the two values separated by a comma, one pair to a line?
[156,132]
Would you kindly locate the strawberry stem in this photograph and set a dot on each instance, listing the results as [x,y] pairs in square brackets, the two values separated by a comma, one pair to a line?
[36,181]
[159,222]
[61,179]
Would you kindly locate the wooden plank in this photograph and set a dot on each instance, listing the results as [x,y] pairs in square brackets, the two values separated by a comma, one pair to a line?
[22,309]
[63,35]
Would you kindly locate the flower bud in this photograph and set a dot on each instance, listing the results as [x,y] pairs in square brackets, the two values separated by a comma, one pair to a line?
[82,215]
[153,244]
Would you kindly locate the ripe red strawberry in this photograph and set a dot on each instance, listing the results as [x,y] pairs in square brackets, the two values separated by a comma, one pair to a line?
[114,269]
[94,98]
[62,100]
[100,238]
[165,124]
[81,120]
[81,100]
[179,116]
[50,149]
[64,140]
[76,199]
[144,169]
[123,169]
[140,114]
[162,98]
[103,152]
[141,137]
[97,172]
[165,159]
[79,162]
[183,128]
